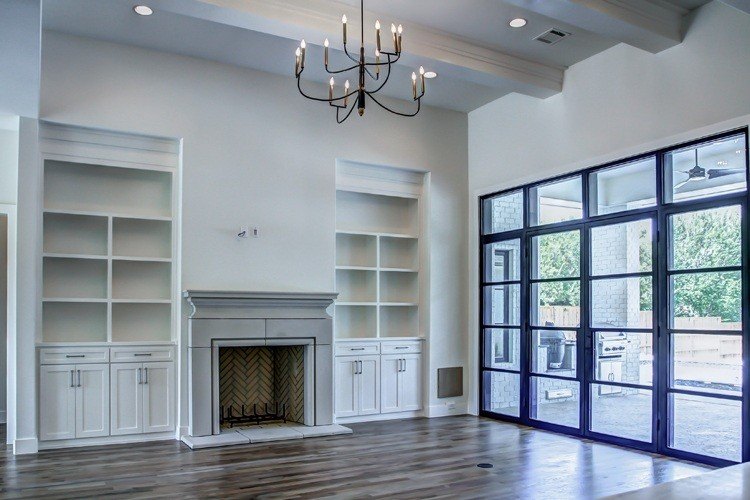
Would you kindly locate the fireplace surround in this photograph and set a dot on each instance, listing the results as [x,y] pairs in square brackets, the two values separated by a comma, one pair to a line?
[223,319]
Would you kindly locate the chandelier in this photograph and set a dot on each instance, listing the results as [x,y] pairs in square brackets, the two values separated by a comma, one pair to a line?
[369,72]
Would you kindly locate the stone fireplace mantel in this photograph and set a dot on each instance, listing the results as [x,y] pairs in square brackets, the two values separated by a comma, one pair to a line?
[257,318]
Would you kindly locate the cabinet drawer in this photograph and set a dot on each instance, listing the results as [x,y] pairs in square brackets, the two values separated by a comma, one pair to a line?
[73,355]
[357,349]
[141,354]
[401,347]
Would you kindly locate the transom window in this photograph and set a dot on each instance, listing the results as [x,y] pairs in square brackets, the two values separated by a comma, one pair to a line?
[614,302]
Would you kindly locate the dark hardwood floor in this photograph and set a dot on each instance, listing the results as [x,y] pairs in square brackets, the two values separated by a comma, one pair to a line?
[397,459]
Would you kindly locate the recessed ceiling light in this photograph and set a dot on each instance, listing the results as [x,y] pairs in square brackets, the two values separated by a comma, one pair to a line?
[143,10]
[518,22]
[430,74]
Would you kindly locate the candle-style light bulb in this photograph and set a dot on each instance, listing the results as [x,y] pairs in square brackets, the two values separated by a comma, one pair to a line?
[325,53]
[330,88]
[343,22]
[414,85]
[377,34]
[303,46]
[377,61]
[297,54]
[393,35]
[421,77]
[346,92]
[398,40]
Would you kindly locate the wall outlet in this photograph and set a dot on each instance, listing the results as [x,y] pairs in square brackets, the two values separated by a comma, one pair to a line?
[255,232]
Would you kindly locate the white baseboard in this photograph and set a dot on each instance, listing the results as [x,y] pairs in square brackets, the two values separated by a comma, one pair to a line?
[182,431]
[3,417]
[106,440]
[446,410]
[25,446]
[379,417]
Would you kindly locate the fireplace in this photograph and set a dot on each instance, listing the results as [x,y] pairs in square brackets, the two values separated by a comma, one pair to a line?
[270,353]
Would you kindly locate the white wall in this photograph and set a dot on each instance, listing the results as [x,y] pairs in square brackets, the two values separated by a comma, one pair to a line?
[20,50]
[3,313]
[618,103]
[255,152]
[8,159]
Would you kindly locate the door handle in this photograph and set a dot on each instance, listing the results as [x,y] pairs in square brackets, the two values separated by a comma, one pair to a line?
[142,354]
[360,367]
[145,375]
[404,369]
[75,355]
[139,377]
[72,379]
[79,378]
[356,367]
[402,347]
[356,348]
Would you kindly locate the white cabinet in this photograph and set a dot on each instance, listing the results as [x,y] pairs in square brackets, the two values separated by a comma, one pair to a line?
[401,383]
[74,401]
[158,397]
[57,402]
[357,385]
[142,397]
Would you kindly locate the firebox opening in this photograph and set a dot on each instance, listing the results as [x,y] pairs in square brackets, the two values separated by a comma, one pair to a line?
[261,384]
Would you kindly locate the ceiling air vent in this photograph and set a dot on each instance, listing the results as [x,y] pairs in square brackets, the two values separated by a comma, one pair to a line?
[551,37]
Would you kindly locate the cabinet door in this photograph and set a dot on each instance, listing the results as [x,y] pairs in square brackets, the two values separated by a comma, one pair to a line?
[126,394]
[410,384]
[369,385]
[389,382]
[158,397]
[57,402]
[347,391]
[92,400]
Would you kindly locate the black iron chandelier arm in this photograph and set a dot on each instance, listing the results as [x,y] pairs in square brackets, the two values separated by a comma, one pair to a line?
[419,105]
[334,72]
[320,99]
[348,114]
[385,80]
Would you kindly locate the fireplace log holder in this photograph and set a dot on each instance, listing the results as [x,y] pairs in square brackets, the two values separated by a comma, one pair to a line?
[267,415]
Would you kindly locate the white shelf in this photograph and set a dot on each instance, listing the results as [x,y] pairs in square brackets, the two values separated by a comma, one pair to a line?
[377,266]
[74,322]
[107,254]
[98,188]
[74,256]
[356,268]
[359,211]
[74,278]
[357,285]
[372,233]
[119,215]
[75,235]
[140,259]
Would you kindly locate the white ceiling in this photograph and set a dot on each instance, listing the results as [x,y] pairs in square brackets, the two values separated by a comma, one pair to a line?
[468,42]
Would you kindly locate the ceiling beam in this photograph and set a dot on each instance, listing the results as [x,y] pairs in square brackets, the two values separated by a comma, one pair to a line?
[743,5]
[652,25]
[315,20]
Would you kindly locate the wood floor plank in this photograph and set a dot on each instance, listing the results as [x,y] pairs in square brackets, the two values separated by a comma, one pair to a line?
[418,458]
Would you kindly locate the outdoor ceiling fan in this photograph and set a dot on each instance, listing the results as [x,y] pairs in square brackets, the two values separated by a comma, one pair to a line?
[698,173]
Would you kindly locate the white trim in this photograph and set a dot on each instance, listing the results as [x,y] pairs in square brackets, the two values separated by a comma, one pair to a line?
[108,440]
[10,328]
[444,410]
[473,276]
[379,417]
[25,446]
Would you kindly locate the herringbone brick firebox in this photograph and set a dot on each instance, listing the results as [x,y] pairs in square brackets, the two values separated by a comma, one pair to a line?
[267,375]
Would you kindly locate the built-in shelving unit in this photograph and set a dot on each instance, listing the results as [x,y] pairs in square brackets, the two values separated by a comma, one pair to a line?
[107,256]
[378,245]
